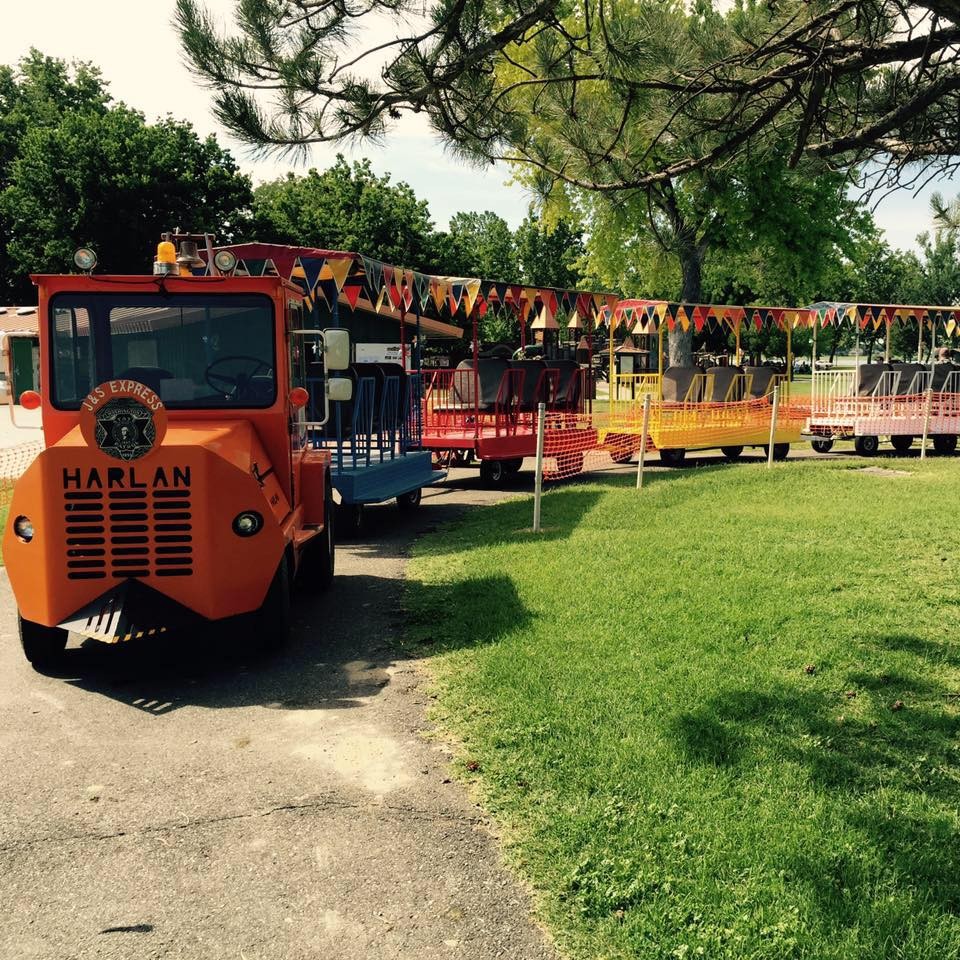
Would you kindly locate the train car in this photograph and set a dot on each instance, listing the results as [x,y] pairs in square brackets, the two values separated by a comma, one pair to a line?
[719,404]
[886,399]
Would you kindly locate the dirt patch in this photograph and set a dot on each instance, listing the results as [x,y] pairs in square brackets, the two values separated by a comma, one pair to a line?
[884,472]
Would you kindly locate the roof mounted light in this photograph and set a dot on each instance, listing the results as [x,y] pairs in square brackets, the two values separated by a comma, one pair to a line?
[85,259]
[166,260]
[225,261]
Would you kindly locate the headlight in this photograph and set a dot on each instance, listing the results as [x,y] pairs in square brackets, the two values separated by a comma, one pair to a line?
[85,259]
[248,523]
[225,261]
[23,528]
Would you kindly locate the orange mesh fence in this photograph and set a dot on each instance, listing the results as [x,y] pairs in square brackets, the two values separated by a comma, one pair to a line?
[13,462]
[586,443]
[692,426]
[573,444]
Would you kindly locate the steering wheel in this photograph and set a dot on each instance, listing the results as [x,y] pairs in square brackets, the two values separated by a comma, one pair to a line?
[238,381]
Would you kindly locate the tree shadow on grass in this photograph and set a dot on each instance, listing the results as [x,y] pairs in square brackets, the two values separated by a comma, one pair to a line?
[891,764]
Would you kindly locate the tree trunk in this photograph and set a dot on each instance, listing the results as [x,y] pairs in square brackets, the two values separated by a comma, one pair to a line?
[680,342]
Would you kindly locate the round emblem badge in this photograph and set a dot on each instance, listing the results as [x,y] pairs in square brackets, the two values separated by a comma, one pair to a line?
[124,419]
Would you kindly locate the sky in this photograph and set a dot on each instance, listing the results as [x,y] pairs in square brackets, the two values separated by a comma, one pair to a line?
[134,44]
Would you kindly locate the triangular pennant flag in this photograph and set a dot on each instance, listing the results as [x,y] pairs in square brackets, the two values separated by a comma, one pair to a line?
[395,295]
[439,294]
[352,293]
[382,299]
[255,267]
[372,278]
[311,267]
[757,320]
[471,289]
[698,318]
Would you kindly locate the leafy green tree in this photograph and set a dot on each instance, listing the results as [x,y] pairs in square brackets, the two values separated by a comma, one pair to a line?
[478,245]
[114,182]
[34,95]
[347,207]
[549,254]
[77,169]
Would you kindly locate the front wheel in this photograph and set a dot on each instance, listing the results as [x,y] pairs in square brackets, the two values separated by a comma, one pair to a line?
[901,444]
[268,628]
[410,500]
[867,445]
[673,458]
[732,453]
[513,466]
[318,563]
[945,443]
[822,446]
[492,472]
[42,646]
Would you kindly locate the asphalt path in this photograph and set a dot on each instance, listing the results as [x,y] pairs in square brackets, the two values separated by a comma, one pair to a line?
[184,799]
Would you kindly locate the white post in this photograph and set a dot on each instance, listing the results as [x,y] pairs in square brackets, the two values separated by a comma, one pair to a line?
[926,421]
[643,439]
[773,425]
[538,483]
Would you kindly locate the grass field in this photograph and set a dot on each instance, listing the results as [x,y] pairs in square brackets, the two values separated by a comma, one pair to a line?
[718,718]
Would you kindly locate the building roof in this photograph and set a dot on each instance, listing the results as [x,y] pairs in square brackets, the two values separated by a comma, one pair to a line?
[19,320]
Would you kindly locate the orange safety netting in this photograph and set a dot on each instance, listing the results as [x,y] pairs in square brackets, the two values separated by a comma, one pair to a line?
[13,462]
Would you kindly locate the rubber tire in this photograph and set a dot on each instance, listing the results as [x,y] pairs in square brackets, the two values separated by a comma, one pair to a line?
[408,502]
[780,451]
[732,453]
[673,457]
[492,473]
[901,443]
[513,466]
[42,646]
[350,520]
[822,446]
[319,561]
[866,446]
[945,443]
[268,629]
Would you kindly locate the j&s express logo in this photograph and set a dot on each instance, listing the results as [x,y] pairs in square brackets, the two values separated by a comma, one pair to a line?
[124,419]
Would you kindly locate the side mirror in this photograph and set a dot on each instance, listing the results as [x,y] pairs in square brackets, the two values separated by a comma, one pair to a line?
[336,350]
[339,388]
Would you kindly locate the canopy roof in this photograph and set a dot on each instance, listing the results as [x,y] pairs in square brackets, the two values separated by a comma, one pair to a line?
[649,315]
[876,315]
[346,276]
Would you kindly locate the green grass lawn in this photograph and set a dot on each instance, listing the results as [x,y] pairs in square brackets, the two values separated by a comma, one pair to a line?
[718,718]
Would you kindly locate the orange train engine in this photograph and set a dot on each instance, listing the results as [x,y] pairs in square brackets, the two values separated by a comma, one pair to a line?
[176,488]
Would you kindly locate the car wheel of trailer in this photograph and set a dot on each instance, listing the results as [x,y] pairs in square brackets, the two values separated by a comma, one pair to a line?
[513,466]
[269,627]
[350,519]
[319,560]
[410,500]
[732,453]
[867,445]
[822,446]
[42,646]
[901,444]
[673,458]
[492,472]
[945,443]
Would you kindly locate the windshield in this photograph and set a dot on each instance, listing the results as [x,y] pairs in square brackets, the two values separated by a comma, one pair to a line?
[208,350]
